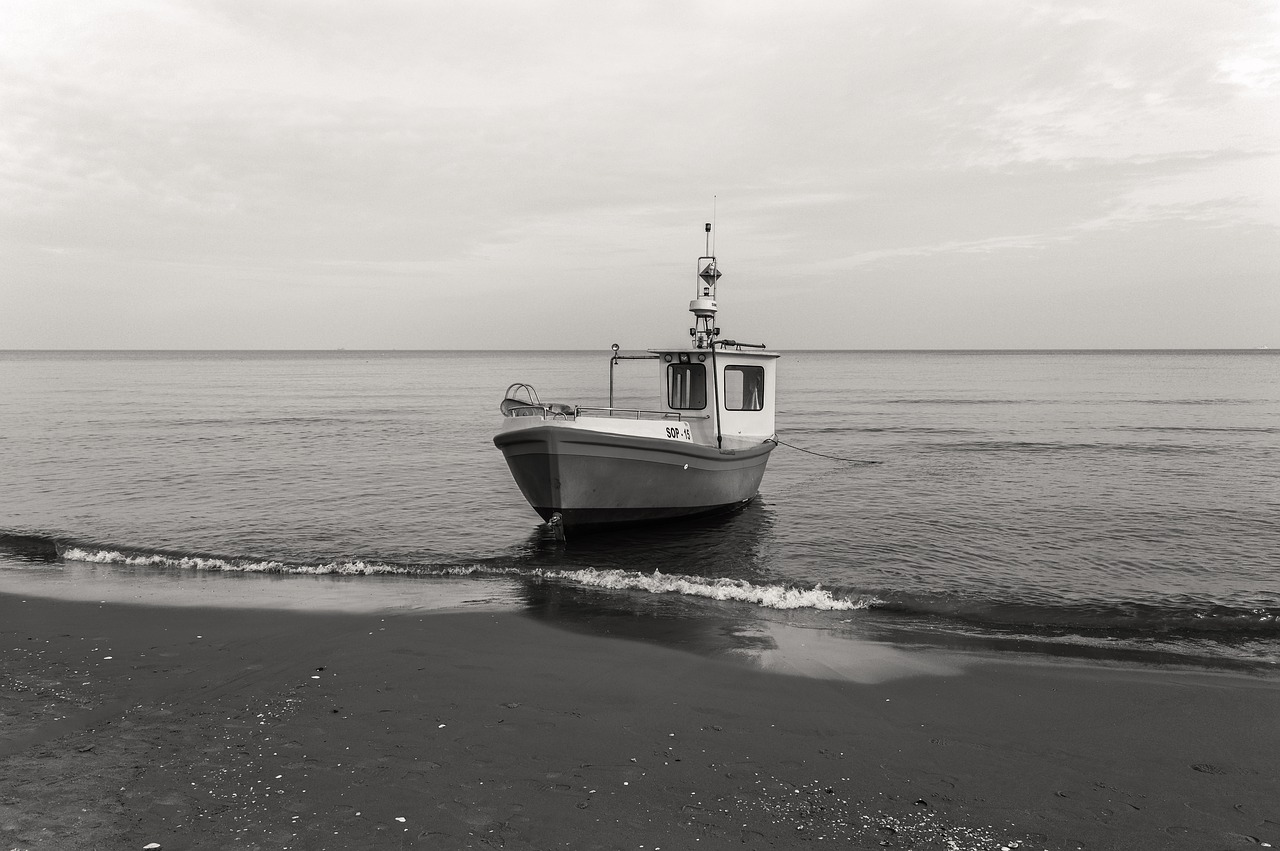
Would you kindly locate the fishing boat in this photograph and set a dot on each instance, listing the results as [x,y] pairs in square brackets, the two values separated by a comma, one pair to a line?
[701,449]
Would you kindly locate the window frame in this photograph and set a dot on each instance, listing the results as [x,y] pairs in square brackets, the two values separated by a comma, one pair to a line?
[695,391]
[744,370]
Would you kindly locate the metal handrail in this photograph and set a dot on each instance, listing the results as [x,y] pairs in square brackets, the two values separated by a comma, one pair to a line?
[635,413]
[552,410]
[530,406]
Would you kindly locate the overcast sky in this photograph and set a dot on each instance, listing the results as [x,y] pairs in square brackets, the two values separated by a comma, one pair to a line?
[503,174]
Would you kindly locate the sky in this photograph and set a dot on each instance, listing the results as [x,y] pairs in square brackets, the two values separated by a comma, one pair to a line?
[535,174]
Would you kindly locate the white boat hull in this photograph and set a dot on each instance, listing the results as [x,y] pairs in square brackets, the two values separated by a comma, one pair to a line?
[599,478]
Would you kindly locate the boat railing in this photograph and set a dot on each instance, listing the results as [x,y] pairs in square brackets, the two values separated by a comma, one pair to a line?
[521,400]
[634,414]
[554,411]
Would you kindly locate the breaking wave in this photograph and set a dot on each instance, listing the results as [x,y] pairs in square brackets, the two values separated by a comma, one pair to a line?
[1244,629]
[193,562]
[738,590]
[765,595]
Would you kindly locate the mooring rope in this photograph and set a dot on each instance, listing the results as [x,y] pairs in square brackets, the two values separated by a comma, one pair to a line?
[824,455]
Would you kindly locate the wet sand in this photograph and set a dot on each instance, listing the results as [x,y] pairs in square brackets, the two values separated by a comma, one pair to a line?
[199,728]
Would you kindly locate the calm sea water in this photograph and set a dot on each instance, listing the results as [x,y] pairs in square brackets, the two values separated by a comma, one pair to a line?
[1082,503]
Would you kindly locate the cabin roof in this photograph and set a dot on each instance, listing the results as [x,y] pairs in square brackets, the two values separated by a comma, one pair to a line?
[732,351]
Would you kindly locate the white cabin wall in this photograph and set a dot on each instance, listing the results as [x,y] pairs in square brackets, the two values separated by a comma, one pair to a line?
[737,429]
[701,422]
[740,429]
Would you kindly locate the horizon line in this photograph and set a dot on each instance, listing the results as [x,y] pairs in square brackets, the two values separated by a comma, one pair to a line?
[973,350]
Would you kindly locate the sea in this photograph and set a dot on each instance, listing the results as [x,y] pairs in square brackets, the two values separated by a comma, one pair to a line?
[1102,505]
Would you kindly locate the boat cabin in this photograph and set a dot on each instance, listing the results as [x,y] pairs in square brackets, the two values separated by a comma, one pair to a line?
[724,392]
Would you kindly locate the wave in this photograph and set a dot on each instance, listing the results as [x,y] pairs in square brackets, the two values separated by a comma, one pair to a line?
[737,590]
[945,400]
[1202,429]
[1171,618]
[33,548]
[248,565]
[1055,446]
[1192,401]
[953,400]
[848,429]
[765,595]
[1187,616]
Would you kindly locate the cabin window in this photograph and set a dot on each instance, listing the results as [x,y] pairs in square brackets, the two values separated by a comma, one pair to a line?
[744,388]
[687,386]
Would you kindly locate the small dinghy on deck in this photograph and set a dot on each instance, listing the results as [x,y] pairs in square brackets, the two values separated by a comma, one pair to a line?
[701,449]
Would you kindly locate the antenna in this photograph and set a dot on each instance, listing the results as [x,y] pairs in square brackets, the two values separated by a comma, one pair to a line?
[712,250]
[703,305]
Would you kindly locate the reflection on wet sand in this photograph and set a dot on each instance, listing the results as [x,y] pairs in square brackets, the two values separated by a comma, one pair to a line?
[145,585]
[734,545]
[736,633]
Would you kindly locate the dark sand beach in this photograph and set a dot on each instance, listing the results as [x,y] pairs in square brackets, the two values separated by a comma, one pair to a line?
[202,728]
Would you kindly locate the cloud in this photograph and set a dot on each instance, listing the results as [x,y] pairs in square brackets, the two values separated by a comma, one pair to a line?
[308,158]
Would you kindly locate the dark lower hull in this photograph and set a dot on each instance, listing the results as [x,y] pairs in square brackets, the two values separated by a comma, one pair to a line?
[598,479]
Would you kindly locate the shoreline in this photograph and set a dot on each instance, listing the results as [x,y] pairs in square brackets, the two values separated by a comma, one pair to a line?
[203,728]
[708,623]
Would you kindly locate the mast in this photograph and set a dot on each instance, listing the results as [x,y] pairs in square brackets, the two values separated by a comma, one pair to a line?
[703,306]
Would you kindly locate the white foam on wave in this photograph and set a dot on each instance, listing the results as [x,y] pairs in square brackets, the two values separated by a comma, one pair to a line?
[336,568]
[739,590]
[735,590]
[186,562]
